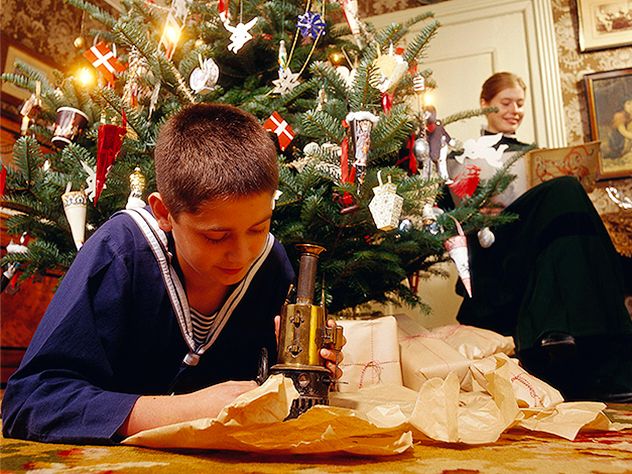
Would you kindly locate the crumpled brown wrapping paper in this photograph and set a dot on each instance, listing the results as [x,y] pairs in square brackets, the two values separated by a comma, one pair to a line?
[254,423]
[381,419]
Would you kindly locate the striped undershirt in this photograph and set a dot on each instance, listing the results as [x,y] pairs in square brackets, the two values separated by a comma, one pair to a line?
[202,325]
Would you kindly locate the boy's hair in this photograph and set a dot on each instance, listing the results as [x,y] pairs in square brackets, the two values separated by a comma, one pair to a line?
[498,82]
[213,151]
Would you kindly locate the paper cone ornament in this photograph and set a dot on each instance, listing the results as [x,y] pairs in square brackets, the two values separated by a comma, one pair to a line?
[109,143]
[457,249]
[386,205]
[361,124]
[75,203]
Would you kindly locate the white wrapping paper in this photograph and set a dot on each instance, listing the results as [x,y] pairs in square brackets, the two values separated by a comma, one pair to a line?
[371,354]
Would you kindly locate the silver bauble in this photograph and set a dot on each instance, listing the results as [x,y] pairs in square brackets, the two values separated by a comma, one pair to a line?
[405,225]
[486,237]
[421,149]
[311,148]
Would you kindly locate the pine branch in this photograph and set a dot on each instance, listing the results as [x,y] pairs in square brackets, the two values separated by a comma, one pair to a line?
[28,157]
[319,124]
[364,96]
[420,42]
[467,114]
[332,81]
[95,12]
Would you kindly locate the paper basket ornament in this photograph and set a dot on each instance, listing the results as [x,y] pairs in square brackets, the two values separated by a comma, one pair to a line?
[386,205]
[69,123]
[457,249]
[75,203]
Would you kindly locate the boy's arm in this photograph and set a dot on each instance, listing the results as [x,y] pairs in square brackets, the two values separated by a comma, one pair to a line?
[154,411]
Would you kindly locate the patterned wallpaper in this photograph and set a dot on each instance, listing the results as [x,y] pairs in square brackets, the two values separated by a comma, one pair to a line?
[573,66]
[50,26]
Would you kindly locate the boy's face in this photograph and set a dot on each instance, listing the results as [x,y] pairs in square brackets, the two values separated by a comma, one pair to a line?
[218,244]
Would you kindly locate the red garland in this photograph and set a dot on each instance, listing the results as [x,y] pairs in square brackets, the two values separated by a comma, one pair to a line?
[3,178]
[387,102]
[466,183]
[109,143]
[412,160]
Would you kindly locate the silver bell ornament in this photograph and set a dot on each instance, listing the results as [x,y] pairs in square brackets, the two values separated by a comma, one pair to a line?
[405,225]
[386,205]
[486,237]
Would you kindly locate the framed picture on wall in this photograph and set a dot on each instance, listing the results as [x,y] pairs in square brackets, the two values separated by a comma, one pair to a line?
[609,96]
[604,23]
[10,53]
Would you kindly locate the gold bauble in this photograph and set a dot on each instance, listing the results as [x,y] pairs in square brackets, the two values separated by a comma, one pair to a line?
[199,43]
[137,182]
[79,42]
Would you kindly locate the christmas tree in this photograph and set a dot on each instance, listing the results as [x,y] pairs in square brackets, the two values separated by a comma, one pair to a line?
[361,154]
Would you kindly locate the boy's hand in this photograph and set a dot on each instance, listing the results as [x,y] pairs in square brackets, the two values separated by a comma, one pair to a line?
[331,356]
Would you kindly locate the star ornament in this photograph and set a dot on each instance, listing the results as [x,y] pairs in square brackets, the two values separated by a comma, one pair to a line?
[310,24]
[240,34]
[286,82]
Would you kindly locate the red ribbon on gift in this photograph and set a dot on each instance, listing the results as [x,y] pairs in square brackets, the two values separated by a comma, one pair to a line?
[109,143]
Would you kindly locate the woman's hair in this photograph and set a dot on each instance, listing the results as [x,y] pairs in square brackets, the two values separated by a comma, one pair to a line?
[498,82]
[213,151]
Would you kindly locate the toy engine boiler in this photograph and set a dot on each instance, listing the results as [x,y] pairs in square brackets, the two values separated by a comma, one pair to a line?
[303,333]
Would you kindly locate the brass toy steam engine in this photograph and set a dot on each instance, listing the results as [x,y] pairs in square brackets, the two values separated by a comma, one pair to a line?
[303,333]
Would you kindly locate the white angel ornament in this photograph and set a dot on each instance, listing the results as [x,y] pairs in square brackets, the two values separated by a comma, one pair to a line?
[483,148]
[240,34]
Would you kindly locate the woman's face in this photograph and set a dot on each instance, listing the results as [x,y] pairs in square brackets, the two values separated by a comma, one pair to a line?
[510,104]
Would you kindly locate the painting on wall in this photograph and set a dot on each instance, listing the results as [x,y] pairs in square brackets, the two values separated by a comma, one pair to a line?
[604,23]
[609,97]
[12,52]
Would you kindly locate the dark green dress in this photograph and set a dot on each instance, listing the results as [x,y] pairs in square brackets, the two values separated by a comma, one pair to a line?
[555,270]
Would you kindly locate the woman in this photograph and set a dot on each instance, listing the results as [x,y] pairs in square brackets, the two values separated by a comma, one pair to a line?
[552,279]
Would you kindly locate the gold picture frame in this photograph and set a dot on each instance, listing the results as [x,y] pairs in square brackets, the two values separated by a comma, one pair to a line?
[10,52]
[609,97]
[604,24]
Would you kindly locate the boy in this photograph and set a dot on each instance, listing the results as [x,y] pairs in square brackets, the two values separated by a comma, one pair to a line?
[180,300]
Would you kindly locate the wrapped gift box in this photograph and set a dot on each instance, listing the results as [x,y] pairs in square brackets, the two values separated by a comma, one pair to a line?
[474,343]
[424,356]
[371,354]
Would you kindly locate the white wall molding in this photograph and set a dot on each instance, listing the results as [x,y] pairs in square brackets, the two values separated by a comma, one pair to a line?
[495,45]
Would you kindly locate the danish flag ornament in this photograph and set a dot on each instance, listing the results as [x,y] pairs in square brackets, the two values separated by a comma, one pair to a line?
[104,60]
[281,128]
